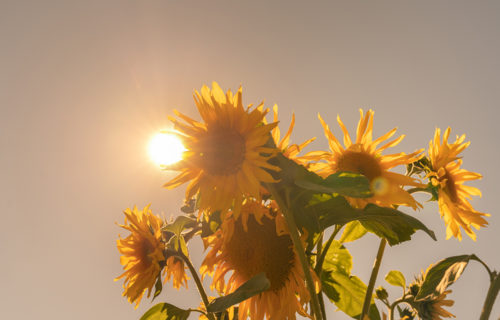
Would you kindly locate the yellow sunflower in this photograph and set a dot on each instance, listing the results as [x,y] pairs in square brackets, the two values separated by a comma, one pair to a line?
[249,245]
[364,156]
[142,253]
[226,155]
[446,174]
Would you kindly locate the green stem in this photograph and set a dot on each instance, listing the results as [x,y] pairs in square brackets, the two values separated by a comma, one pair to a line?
[319,248]
[319,265]
[294,235]
[416,189]
[491,295]
[321,258]
[373,279]
[391,309]
[196,279]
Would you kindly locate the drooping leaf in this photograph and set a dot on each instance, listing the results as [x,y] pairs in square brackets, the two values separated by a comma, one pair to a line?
[350,294]
[443,274]
[352,231]
[343,183]
[165,311]
[391,224]
[396,278]
[252,287]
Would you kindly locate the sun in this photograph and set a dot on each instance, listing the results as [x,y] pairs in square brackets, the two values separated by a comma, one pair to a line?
[166,149]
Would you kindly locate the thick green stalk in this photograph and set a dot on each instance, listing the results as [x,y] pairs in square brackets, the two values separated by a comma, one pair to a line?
[294,234]
[491,295]
[197,280]
[373,279]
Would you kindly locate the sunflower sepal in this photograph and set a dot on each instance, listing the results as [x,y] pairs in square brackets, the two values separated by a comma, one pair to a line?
[166,311]
[158,287]
[210,223]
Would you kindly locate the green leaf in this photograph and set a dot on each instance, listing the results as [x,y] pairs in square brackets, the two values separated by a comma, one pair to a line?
[337,259]
[158,288]
[391,224]
[210,223]
[180,224]
[252,287]
[165,311]
[344,183]
[396,278]
[178,244]
[352,231]
[351,294]
[443,274]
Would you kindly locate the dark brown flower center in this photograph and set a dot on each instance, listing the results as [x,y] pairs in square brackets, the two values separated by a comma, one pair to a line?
[450,186]
[359,162]
[222,152]
[145,248]
[261,250]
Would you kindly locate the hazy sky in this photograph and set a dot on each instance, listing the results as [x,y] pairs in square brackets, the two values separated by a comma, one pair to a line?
[84,85]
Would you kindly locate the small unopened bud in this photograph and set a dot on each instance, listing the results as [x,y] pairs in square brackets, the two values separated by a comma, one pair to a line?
[381,293]
[414,288]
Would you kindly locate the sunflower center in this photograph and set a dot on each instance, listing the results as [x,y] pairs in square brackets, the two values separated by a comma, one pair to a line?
[261,250]
[359,162]
[222,152]
[146,247]
[450,186]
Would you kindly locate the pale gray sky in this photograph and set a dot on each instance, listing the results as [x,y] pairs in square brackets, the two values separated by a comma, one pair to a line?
[84,85]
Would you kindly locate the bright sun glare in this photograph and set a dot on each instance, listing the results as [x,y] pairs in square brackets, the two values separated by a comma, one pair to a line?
[166,149]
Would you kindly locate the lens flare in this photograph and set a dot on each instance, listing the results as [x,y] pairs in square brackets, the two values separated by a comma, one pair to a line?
[166,149]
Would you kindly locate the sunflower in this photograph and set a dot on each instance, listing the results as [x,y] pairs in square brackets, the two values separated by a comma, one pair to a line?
[249,245]
[142,253]
[365,157]
[226,157]
[446,174]
[431,308]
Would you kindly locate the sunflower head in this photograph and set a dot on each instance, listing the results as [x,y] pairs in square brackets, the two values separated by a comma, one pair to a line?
[447,176]
[432,307]
[364,156]
[142,253]
[226,157]
[248,245]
